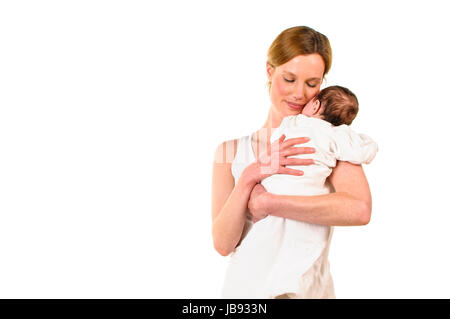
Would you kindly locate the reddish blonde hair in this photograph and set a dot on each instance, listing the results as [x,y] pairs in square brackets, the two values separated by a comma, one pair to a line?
[299,40]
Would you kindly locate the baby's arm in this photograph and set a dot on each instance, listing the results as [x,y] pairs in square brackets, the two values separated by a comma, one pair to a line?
[349,146]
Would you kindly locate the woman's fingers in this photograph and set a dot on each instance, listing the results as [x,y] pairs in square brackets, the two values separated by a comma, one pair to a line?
[297,150]
[293,141]
[276,145]
[296,161]
[277,159]
[290,171]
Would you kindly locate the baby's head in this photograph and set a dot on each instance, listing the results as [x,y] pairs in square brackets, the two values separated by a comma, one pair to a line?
[334,104]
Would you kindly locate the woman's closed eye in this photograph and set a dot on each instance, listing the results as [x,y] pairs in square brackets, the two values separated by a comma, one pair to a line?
[311,85]
[288,80]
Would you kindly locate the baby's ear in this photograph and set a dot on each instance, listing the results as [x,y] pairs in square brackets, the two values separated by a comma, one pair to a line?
[317,107]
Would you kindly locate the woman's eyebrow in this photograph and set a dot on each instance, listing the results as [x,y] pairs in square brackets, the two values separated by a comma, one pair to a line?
[290,73]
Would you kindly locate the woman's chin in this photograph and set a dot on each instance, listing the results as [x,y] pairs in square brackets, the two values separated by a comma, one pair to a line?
[290,111]
[287,111]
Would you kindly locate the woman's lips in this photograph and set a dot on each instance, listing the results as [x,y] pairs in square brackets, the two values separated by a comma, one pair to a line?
[295,106]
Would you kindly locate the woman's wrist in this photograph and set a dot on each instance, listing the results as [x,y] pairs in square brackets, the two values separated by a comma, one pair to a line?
[250,175]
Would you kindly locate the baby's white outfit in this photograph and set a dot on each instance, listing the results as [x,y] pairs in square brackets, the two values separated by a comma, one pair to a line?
[277,255]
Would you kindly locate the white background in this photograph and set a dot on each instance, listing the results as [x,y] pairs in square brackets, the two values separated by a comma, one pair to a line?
[111,112]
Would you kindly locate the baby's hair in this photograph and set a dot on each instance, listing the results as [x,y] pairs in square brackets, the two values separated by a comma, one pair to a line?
[339,104]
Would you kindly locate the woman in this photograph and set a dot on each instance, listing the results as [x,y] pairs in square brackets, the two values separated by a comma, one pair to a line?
[298,60]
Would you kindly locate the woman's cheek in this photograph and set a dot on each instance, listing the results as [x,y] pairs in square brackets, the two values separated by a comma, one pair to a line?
[281,89]
[276,93]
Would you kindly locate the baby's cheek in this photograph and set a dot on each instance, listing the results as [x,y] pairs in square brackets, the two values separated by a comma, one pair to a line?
[312,92]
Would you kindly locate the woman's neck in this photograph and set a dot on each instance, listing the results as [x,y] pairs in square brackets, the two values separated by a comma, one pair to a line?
[273,121]
[261,138]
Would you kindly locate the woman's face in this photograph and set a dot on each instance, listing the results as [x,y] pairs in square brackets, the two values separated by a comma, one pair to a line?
[295,83]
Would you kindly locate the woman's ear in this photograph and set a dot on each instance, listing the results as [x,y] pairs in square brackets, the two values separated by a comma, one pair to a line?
[269,69]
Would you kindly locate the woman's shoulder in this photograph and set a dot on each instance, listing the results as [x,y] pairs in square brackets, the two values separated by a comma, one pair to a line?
[226,151]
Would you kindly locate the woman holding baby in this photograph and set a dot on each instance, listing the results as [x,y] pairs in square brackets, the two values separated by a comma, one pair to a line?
[298,60]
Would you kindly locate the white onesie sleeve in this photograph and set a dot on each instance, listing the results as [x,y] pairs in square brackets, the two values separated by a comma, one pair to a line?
[349,146]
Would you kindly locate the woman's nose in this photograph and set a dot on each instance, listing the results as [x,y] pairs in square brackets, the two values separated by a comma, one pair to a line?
[299,93]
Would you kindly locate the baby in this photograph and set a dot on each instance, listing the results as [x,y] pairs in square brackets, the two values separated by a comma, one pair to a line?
[335,104]
[280,255]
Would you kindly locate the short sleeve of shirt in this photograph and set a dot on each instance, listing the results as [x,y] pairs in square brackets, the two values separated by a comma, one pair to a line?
[349,146]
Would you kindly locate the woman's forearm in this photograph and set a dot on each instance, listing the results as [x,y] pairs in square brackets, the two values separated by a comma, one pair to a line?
[336,209]
[229,224]
[350,205]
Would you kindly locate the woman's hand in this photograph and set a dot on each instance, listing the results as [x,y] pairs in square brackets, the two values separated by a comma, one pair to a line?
[274,161]
[256,203]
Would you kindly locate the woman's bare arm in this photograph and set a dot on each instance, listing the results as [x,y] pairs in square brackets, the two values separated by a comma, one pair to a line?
[350,205]
[229,203]
[230,198]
